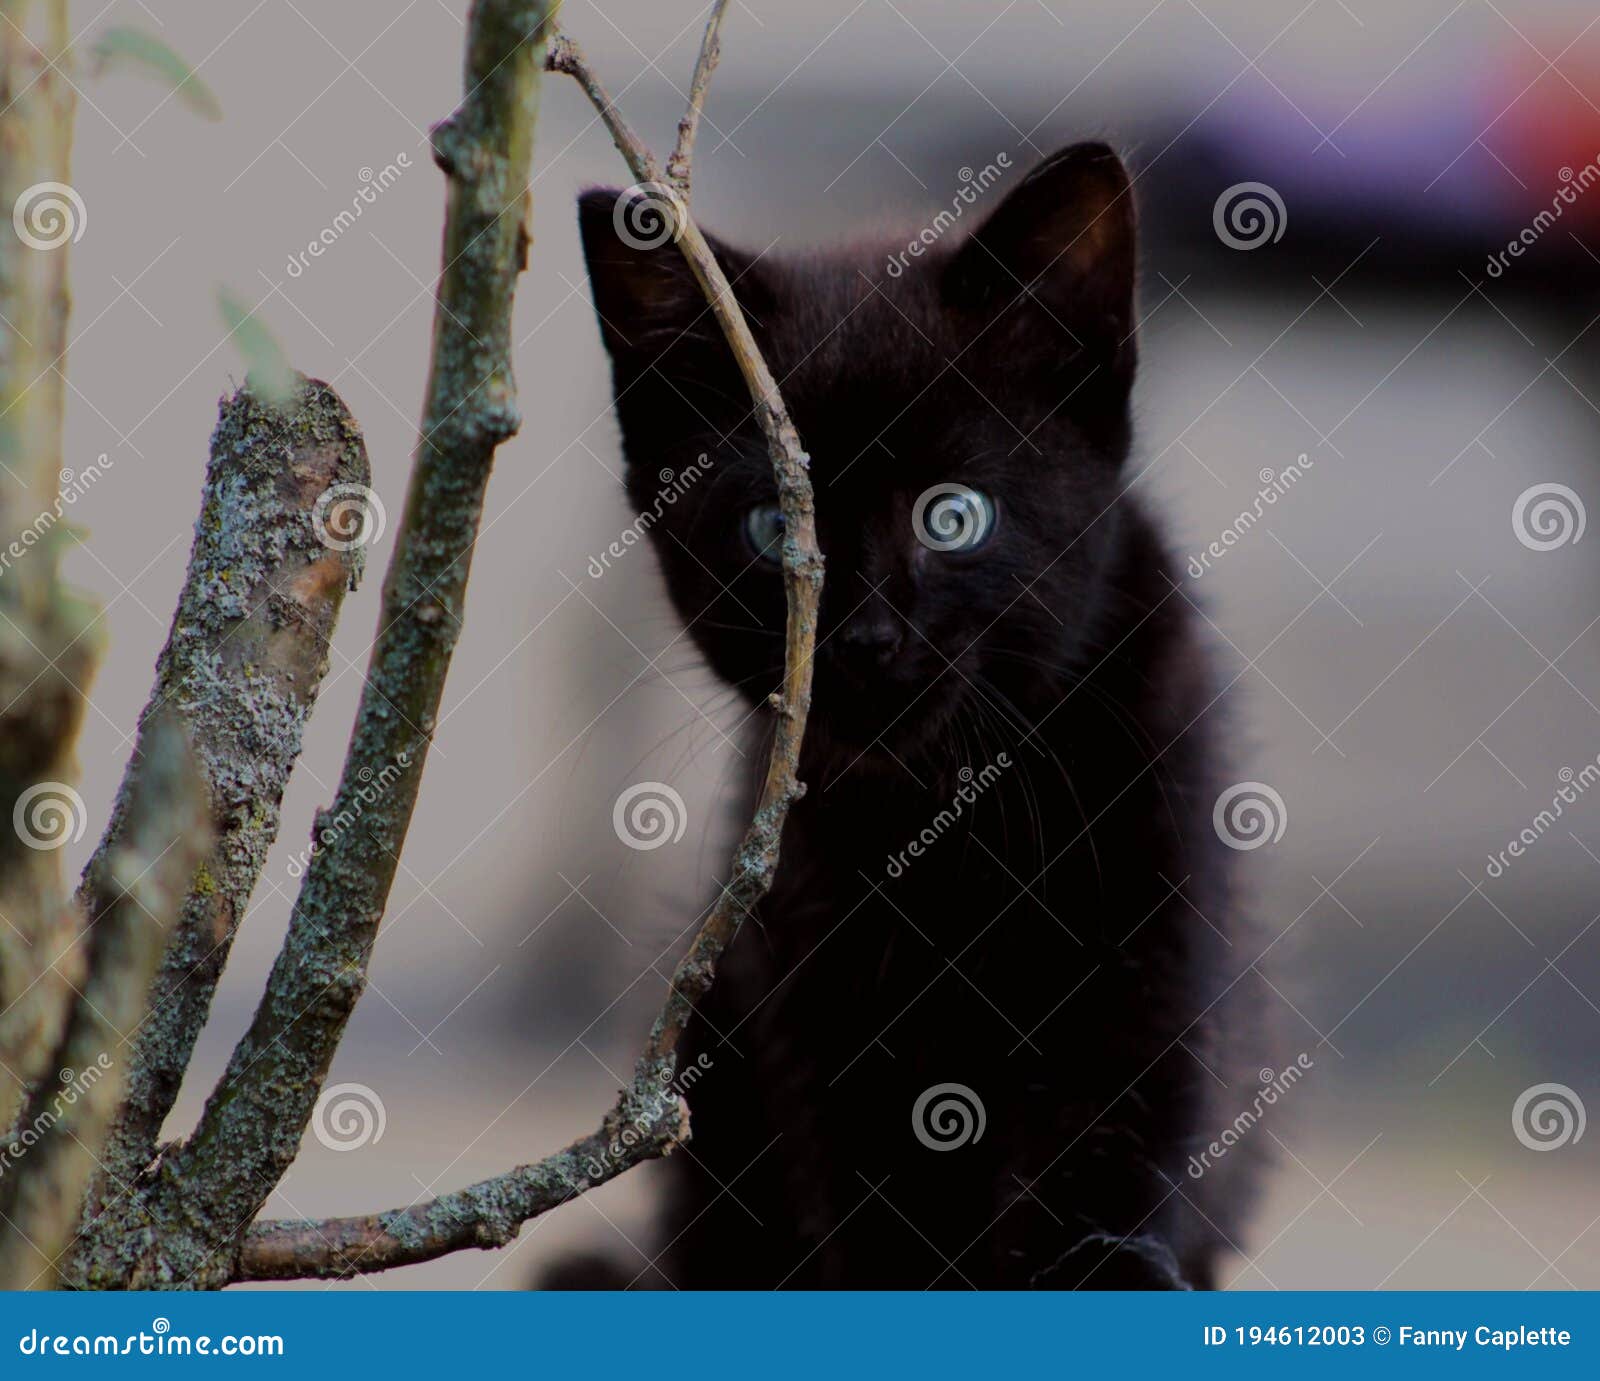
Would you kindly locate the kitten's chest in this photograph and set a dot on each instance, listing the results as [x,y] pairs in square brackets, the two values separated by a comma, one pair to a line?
[934,937]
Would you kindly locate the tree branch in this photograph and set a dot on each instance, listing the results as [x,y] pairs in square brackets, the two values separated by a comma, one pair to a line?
[243,661]
[48,650]
[646,1123]
[134,890]
[757,858]
[206,1193]
[488,1214]
[682,156]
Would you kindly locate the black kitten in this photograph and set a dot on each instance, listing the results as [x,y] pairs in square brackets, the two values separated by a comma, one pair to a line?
[974,1034]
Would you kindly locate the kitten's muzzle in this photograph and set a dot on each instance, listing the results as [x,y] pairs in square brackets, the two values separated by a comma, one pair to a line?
[870,643]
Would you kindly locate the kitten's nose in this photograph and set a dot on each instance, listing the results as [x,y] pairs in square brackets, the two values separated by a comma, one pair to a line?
[872,639]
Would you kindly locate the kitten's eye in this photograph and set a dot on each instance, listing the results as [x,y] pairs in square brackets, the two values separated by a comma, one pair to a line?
[763,529]
[953,517]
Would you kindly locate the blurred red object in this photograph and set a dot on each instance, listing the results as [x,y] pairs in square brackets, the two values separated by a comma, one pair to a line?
[1549,132]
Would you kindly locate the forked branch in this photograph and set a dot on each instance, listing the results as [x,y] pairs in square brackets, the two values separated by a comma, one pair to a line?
[649,1118]
[198,1201]
[678,165]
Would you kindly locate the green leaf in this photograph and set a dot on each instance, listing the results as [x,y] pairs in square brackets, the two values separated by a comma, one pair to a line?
[144,52]
[266,366]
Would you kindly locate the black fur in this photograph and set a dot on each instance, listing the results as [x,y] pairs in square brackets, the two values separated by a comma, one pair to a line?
[1058,948]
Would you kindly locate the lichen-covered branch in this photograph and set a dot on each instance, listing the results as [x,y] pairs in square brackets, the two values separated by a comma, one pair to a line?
[648,1120]
[204,1194]
[133,892]
[243,661]
[47,652]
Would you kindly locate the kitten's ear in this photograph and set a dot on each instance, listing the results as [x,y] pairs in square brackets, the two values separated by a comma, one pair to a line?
[651,308]
[1056,260]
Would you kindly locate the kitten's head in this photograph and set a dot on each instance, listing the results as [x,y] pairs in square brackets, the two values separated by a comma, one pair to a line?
[965,407]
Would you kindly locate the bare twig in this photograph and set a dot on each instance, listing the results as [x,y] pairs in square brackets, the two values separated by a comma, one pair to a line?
[679,163]
[757,858]
[243,660]
[649,1119]
[133,892]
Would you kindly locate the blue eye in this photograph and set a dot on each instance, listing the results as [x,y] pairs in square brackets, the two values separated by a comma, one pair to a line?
[763,529]
[953,517]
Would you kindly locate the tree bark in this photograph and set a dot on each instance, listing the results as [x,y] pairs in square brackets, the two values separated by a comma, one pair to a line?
[132,894]
[245,655]
[203,1195]
[47,648]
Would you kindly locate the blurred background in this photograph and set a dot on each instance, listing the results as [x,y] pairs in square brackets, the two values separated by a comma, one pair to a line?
[1415,675]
